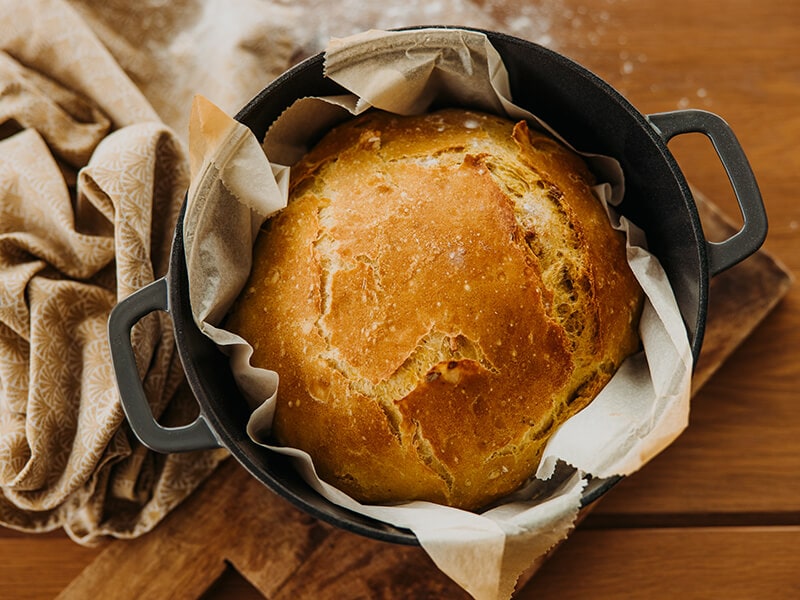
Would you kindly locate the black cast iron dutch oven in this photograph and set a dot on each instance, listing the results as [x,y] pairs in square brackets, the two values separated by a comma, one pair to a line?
[591,116]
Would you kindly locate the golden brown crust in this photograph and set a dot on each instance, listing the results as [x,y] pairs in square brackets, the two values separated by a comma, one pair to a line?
[439,294]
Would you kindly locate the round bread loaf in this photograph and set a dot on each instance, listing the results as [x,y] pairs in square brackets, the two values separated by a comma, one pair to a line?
[441,292]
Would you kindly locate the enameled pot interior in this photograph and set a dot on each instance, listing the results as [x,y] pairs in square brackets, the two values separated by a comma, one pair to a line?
[582,108]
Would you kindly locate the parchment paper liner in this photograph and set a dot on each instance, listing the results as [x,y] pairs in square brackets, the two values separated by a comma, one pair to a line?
[235,187]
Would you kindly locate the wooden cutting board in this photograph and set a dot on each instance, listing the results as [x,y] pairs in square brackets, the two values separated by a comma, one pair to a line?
[232,521]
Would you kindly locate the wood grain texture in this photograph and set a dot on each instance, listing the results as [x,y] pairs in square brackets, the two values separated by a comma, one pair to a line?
[716,514]
[230,518]
[41,566]
[687,563]
[346,566]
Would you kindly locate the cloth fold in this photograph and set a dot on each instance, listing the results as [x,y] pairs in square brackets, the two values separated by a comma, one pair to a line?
[91,182]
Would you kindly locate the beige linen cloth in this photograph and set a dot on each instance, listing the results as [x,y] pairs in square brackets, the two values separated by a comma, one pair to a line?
[93,170]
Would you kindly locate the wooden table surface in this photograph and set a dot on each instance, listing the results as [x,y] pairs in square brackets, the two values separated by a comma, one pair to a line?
[718,513]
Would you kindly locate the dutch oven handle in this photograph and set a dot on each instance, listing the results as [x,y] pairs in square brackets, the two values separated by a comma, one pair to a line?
[722,255]
[197,435]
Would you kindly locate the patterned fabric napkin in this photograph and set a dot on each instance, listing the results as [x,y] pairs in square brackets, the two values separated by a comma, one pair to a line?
[91,180]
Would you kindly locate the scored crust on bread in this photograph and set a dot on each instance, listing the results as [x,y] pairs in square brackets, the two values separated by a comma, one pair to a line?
[441,292]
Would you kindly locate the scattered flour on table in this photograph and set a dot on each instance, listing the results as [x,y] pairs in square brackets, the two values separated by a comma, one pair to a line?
[228,51]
